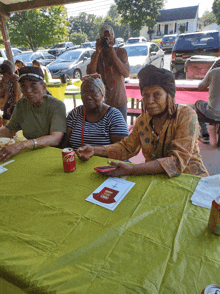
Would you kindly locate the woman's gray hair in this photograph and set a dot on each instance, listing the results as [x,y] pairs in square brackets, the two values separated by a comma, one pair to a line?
[95,81]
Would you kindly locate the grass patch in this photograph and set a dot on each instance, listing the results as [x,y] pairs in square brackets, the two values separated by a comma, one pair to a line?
[156,41]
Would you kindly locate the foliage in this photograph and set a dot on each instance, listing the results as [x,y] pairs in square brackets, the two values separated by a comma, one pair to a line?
[90,25]
[216,10]
[78,38]
[84,23]
[182,29]
[113,13]
[207,18]
[139,13]
[38,27]
[150,33]
[120,29]
[156,41]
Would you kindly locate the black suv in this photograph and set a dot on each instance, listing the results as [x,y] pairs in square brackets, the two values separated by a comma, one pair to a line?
[58,49]
[187,45]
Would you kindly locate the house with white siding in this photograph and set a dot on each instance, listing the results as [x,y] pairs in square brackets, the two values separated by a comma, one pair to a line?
[169,21]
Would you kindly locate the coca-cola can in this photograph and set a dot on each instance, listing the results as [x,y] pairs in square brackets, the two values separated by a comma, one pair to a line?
[69,163]
[214,219]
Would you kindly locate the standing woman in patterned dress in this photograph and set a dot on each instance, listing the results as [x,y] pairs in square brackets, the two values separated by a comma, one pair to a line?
[10,92]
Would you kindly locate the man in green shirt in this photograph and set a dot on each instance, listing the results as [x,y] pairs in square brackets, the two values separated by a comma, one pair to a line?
[42,118]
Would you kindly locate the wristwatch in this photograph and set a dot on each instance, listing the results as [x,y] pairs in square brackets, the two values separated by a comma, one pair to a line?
[35,144]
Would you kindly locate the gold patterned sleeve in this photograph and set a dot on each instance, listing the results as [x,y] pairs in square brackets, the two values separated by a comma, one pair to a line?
[126,148]
[184,143]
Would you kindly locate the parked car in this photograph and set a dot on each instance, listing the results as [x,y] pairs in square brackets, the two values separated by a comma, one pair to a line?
[59,48]
[43,57]
[168,42]
[119,42]
[187,45]
[140,55]
[73,63]
[88,44]
[136,40]
[3,56]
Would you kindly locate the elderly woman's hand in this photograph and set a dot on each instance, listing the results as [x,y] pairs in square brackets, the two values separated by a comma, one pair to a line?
[121,169]
[9,151]
[85,152]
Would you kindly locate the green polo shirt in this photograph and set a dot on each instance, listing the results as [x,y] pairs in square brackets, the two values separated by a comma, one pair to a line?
[38,121]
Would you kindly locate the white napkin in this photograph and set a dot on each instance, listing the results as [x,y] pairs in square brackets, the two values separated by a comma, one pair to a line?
[206,191]
[2,169]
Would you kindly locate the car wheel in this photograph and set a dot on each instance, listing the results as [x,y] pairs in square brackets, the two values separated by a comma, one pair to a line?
[161,63]
[77,74]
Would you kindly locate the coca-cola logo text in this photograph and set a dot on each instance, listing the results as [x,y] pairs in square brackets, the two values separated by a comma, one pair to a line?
[69,158]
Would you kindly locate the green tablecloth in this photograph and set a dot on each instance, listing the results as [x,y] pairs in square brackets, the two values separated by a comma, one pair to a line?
[53,241]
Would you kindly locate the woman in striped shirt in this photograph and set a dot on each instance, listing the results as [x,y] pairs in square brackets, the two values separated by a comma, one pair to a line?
[94,122]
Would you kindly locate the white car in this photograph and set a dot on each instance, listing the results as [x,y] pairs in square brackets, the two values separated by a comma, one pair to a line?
[142,54]
[135,40]
[3,56]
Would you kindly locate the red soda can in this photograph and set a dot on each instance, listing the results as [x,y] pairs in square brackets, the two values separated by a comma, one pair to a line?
[214,219]
[69,163]
[211,289]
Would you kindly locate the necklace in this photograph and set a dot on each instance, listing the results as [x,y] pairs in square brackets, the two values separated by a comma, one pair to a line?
[154,143]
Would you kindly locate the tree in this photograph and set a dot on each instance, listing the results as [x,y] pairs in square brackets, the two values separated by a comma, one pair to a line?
[82,23]
[78,38]
[182,29]
[38,27]
[150,33]
[139,12]
[216,10]
[113,13]
[207,18]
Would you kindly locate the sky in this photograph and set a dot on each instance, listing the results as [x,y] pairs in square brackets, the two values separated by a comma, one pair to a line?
[101,7]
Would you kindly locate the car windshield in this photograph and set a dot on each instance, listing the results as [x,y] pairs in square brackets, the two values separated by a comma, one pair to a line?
[131,41]
[25,57]
[136,50]
[85,45]
[197,41]
[69,56]
[169,39]
[59,46]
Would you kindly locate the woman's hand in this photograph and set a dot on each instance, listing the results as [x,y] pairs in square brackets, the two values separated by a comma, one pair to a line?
[9,151]
[85,152]
[121,169]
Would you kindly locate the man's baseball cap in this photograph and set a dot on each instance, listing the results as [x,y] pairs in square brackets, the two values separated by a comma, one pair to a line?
[106,28]
[5,68]
[31,73]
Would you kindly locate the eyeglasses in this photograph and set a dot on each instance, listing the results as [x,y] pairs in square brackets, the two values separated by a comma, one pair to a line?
[92,94]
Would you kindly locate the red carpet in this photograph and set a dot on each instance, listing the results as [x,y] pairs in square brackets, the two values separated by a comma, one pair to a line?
[182,97]
[190,97]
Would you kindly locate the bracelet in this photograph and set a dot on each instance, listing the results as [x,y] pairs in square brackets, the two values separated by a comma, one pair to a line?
[35,144]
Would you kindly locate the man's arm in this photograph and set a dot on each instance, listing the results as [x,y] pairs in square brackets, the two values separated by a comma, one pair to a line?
[92,66]
[50,140]
[204,84]
[5,132]
[123,67]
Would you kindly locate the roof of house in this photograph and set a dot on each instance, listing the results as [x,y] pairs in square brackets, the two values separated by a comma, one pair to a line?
[177,13]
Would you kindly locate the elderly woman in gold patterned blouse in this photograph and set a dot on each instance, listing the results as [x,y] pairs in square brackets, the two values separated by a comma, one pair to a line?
[166,132]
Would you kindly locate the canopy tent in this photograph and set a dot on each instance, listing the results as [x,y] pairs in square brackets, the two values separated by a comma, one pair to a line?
[9,6]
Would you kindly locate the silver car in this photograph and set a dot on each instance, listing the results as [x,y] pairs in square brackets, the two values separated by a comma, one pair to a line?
[142,54]
[168,42]
[73,63]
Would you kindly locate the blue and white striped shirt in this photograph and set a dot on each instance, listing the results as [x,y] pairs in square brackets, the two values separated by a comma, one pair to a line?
[95,133]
